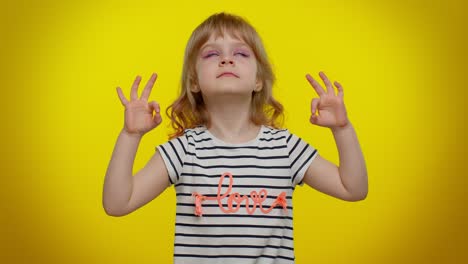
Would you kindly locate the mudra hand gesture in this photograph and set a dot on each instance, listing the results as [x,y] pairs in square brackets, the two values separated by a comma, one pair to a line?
[139,118]
[328,110]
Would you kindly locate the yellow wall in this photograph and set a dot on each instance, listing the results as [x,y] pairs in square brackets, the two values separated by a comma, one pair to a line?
[403,68]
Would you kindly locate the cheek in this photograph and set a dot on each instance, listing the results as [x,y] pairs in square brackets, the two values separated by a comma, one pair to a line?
[205,66]
[248,65]
[200,69]
[204,79]
[202,74]
[250,70]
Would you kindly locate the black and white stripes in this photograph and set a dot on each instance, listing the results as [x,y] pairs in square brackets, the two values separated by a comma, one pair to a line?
[272,163]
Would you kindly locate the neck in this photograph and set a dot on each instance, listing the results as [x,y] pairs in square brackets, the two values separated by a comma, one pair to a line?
[230,119]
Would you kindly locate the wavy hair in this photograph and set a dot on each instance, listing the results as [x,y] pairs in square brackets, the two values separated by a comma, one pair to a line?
[189,109]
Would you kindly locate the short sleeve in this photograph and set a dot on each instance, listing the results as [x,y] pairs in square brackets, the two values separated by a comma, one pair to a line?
[173,154]
[301,154]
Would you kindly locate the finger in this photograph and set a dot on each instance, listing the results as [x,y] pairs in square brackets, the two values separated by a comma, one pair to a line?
[157,117]
[123,100]
[327,82]
[134,91]
[340,89]
[316,85]
[314,119]
[147,91]
[314,105]
[154,106]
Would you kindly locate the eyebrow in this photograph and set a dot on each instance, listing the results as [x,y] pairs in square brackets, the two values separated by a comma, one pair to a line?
[235,44]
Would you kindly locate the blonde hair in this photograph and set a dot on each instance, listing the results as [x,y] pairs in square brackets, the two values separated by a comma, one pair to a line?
[189,110]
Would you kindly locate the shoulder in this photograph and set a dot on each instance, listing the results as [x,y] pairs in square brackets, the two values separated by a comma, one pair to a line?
[278,134]
[269,131]
[195,134]
[187,139]
[194,130]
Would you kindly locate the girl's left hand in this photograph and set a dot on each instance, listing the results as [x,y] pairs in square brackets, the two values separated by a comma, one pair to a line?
[330,107]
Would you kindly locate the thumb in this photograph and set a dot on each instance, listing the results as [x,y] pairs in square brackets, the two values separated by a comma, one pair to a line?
[154,106]
[314,119]
[313,109]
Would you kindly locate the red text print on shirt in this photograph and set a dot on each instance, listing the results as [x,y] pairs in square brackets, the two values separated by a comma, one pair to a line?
[237,199]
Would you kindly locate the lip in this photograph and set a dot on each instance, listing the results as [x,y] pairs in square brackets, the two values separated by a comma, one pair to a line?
[228,74]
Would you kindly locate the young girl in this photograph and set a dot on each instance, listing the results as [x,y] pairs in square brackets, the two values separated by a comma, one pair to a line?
[234,169]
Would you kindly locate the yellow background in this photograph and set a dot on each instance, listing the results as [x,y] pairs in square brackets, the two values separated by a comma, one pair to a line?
[403,68]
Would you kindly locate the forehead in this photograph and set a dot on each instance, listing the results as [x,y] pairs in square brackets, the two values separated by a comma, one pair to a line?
[225,38]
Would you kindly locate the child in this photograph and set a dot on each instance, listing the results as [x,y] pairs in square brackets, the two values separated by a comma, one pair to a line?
[234,169]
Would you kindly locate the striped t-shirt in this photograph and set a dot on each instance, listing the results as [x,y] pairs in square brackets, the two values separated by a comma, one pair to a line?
[214,180]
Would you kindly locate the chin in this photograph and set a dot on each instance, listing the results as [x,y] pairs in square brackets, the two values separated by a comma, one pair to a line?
[227,91]
[236,86]
[232,90]
[227,88]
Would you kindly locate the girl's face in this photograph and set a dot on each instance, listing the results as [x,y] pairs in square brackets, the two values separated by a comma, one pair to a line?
[226,66]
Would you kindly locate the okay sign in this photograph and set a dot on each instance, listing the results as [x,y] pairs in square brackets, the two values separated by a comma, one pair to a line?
[141,116]
[328,110]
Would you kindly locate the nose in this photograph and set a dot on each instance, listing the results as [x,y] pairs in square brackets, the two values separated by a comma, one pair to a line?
[225,61]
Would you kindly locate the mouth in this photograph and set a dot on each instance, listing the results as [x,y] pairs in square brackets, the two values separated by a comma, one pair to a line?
[227,74]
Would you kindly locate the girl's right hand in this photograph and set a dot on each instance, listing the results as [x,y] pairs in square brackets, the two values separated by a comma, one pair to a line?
[139,117]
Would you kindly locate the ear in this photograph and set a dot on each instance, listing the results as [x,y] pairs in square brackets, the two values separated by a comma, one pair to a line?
[258,85]
[194,88]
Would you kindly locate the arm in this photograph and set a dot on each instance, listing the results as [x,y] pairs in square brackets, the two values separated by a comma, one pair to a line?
[124,193]
[348,181]
[353,171]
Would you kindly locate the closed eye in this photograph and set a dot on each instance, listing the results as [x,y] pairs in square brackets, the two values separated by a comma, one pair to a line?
[211,55]
[242,54]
